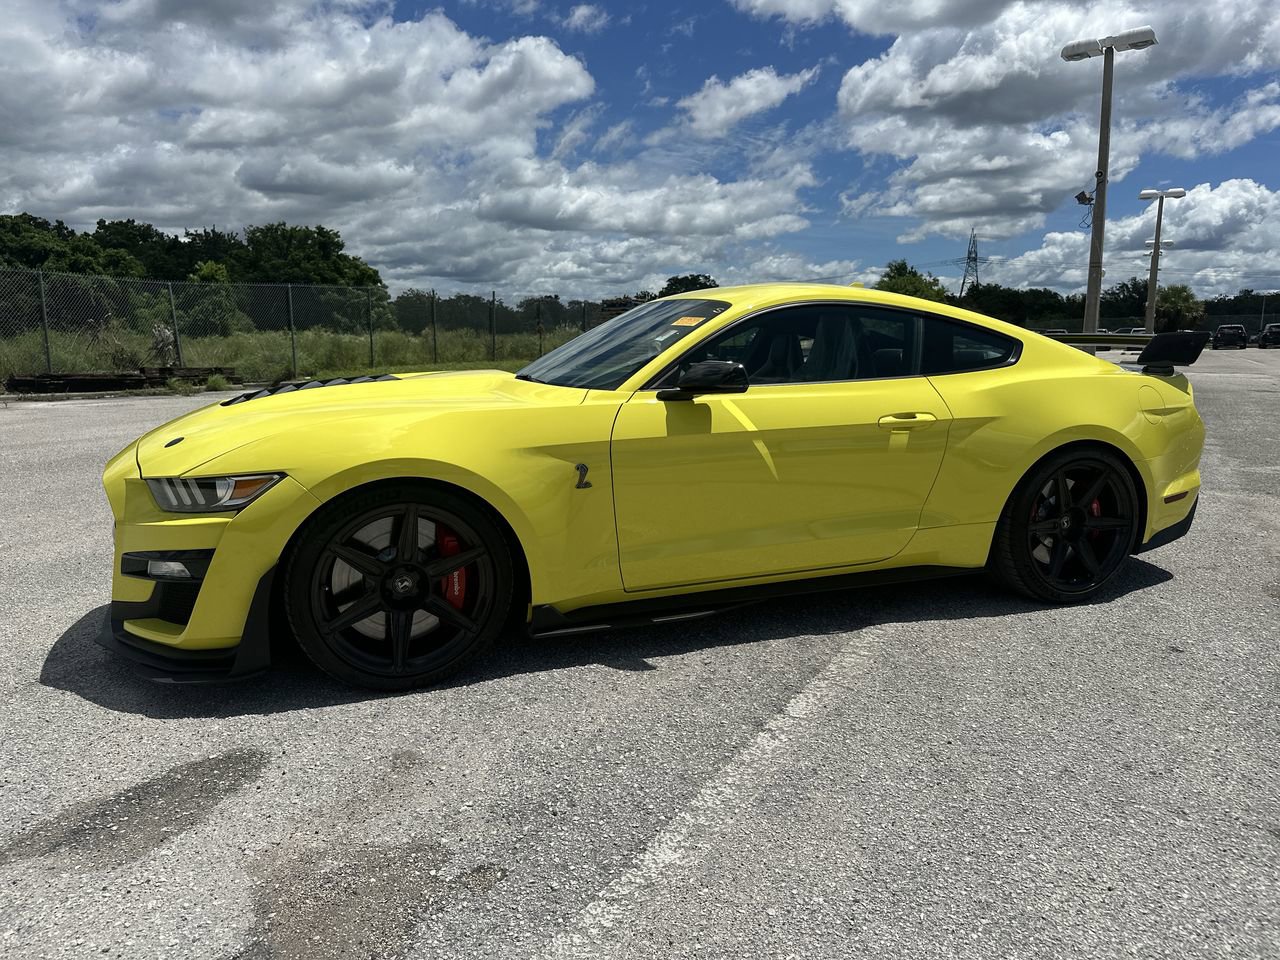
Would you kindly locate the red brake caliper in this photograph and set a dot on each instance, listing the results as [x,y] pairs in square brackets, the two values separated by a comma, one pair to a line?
[454,586]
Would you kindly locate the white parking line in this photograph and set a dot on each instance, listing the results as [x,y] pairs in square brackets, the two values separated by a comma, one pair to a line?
[598,929]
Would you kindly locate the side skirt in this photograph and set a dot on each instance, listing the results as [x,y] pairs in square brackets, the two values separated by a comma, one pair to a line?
[547,621]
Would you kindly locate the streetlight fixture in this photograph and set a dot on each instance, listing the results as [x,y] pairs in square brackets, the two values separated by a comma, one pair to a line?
[1173,193]
[1137,39]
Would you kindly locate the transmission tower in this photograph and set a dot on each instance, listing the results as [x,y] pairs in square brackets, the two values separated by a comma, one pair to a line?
[970,263]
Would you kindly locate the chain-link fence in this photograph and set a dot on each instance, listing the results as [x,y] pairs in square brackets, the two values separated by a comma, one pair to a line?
[1252,322]
[74,323]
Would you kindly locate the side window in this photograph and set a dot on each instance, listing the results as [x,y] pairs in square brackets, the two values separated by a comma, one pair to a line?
[816,343]
[952,347]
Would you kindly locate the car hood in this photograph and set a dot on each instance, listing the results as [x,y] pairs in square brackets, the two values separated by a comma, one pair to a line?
[181,446]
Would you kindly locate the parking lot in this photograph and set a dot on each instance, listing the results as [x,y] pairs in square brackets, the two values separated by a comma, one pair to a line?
[930,770]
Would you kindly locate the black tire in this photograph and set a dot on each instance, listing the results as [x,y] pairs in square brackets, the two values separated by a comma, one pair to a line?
[428,615]
[1043,556]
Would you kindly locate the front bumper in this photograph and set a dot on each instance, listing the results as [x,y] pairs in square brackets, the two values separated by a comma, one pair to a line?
[166,663]
[214,626]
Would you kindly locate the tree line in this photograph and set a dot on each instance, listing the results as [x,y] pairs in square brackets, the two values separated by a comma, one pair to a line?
[285,253]
[1177,307]
[269,253]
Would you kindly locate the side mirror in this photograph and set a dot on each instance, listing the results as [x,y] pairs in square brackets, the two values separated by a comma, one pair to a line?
[709,376]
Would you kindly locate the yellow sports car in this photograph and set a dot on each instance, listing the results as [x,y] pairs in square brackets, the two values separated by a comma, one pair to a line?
[697,452]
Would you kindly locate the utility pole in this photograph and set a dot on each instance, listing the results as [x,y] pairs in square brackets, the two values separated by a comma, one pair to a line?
[1138,39]
[1093,293]
[1155,269]
[1152,288]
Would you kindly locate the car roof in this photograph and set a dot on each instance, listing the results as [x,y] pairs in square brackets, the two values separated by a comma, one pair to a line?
[754,296]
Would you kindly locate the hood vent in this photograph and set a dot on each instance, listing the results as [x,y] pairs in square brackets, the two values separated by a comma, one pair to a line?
[308,385]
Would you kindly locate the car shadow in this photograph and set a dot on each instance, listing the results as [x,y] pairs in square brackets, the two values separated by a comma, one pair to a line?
[79,666]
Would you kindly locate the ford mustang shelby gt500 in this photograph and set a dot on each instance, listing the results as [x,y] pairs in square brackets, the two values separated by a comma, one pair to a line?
[697,452]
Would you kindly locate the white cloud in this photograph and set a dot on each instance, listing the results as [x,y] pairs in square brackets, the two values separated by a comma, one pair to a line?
[586,17]
[988,127]
[718,106]
[773,265]
[445,159]
[875,16]
[1224,238]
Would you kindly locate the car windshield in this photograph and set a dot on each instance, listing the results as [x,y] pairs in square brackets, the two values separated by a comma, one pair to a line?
[605,356]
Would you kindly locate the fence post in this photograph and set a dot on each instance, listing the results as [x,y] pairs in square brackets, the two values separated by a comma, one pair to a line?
[538,316]
[44,325]
[368,312]
[173,313]
[293,338]
[435,353]
[493,330]
[584,316]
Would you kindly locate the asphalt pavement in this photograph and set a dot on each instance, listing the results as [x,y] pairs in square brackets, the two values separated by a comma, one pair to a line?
[933,770]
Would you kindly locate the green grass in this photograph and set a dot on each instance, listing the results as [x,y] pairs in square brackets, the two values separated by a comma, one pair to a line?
[265,356]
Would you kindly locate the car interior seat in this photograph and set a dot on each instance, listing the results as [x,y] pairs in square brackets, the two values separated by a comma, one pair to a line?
[833,355]
[783,360]
[887,362]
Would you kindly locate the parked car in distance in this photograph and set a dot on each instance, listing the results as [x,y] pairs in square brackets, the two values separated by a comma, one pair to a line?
[1269,337]
[1230,335]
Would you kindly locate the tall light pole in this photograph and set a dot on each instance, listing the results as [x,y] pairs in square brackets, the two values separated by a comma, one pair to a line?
[1159,196]
[1137,39]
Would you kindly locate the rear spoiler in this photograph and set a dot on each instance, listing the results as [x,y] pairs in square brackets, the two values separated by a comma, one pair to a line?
[1160,353]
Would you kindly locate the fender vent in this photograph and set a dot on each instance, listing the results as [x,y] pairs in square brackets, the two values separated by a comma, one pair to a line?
[306,385]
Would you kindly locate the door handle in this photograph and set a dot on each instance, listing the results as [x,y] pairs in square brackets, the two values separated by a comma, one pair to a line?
[906,421]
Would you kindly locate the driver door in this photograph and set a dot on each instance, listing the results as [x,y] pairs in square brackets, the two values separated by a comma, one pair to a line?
[824,462]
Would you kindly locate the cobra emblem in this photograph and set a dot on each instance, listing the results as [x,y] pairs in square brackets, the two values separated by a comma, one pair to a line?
[583,482]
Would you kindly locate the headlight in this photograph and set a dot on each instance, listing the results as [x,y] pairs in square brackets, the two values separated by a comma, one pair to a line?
[210,494]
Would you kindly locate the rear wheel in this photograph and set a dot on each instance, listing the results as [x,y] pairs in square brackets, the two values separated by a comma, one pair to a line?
[1068,526]
[398,587]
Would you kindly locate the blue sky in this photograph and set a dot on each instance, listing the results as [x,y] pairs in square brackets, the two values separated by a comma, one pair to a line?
[534,146]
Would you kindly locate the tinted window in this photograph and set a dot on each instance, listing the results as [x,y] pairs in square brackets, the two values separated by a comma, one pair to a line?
[605,356]
[816,343]
[951,347]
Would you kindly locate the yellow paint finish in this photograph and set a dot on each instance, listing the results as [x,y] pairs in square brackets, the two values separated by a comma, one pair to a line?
[774,484]
[781,478]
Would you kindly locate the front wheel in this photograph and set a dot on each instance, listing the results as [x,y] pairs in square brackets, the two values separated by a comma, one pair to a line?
[398,587]
[1067,527]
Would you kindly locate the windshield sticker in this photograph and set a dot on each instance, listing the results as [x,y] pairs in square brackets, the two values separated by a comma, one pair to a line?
[687,321]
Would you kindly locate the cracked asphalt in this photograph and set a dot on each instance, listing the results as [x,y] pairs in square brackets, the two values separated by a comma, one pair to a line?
[932,770]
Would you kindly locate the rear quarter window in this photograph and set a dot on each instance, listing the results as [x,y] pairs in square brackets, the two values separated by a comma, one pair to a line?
[952,347]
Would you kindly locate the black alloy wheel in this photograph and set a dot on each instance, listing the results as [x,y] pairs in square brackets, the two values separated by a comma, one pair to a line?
[1068,527]
[398,587]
